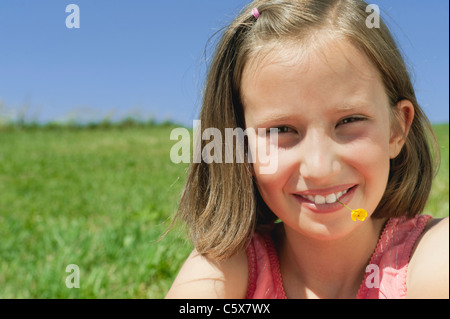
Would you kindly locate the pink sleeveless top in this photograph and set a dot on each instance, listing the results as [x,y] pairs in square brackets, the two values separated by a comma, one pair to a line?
[385,275]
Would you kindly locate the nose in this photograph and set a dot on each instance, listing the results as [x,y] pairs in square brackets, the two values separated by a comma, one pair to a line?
[319,158]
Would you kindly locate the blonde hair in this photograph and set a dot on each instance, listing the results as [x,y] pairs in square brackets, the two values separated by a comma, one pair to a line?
[220,202]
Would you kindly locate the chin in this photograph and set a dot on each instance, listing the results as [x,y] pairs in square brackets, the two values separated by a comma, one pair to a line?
[320,229]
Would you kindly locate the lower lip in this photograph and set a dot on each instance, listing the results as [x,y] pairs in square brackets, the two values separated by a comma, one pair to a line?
[327,208]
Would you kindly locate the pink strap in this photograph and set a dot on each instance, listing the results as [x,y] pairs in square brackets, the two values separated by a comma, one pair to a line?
[264,270]
[391,258]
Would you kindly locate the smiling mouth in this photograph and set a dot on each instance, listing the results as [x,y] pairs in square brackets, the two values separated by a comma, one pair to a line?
[325,199]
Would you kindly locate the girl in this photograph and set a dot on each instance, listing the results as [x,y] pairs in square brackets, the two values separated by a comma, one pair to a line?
[350,135]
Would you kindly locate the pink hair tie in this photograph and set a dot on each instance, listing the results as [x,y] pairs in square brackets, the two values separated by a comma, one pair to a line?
[255,13]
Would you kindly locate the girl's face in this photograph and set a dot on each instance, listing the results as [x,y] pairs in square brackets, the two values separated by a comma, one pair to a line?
[334,135]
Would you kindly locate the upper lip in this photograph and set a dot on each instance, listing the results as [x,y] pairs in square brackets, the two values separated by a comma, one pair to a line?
[325,191]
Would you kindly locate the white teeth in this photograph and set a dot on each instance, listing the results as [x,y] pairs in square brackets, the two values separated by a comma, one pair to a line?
[319,200]
[329,199]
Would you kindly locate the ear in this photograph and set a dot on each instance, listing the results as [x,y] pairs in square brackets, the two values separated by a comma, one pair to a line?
[404,115]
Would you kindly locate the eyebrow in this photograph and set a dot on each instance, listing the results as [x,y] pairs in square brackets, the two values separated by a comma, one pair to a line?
[344,107]
[273,119]
[279,118]
[353,106]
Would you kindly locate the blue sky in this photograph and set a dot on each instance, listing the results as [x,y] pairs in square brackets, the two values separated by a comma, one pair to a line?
[145,57]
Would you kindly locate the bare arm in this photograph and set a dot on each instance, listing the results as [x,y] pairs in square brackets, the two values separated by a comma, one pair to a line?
[428,270]
[201,278]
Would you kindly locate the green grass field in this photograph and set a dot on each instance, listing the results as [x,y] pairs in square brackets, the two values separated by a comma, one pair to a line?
[100,199]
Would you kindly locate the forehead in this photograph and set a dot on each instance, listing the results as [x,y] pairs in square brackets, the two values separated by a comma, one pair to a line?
[328,67]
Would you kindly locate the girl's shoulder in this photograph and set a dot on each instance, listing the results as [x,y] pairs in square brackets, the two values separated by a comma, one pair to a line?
[203,278]
[428,269]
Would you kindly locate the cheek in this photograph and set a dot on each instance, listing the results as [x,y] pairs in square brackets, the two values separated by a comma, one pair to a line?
[264,152]
[374,166]
[370,148]
[282,168]
[371,162]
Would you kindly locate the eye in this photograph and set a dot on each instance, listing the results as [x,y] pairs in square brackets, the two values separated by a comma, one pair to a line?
[280,129]
[352,119]
[284,129]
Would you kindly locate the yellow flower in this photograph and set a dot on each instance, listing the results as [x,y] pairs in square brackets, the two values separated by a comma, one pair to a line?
[359,213]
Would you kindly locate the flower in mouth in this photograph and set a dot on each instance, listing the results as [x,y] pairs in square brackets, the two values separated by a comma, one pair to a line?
[359,213]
